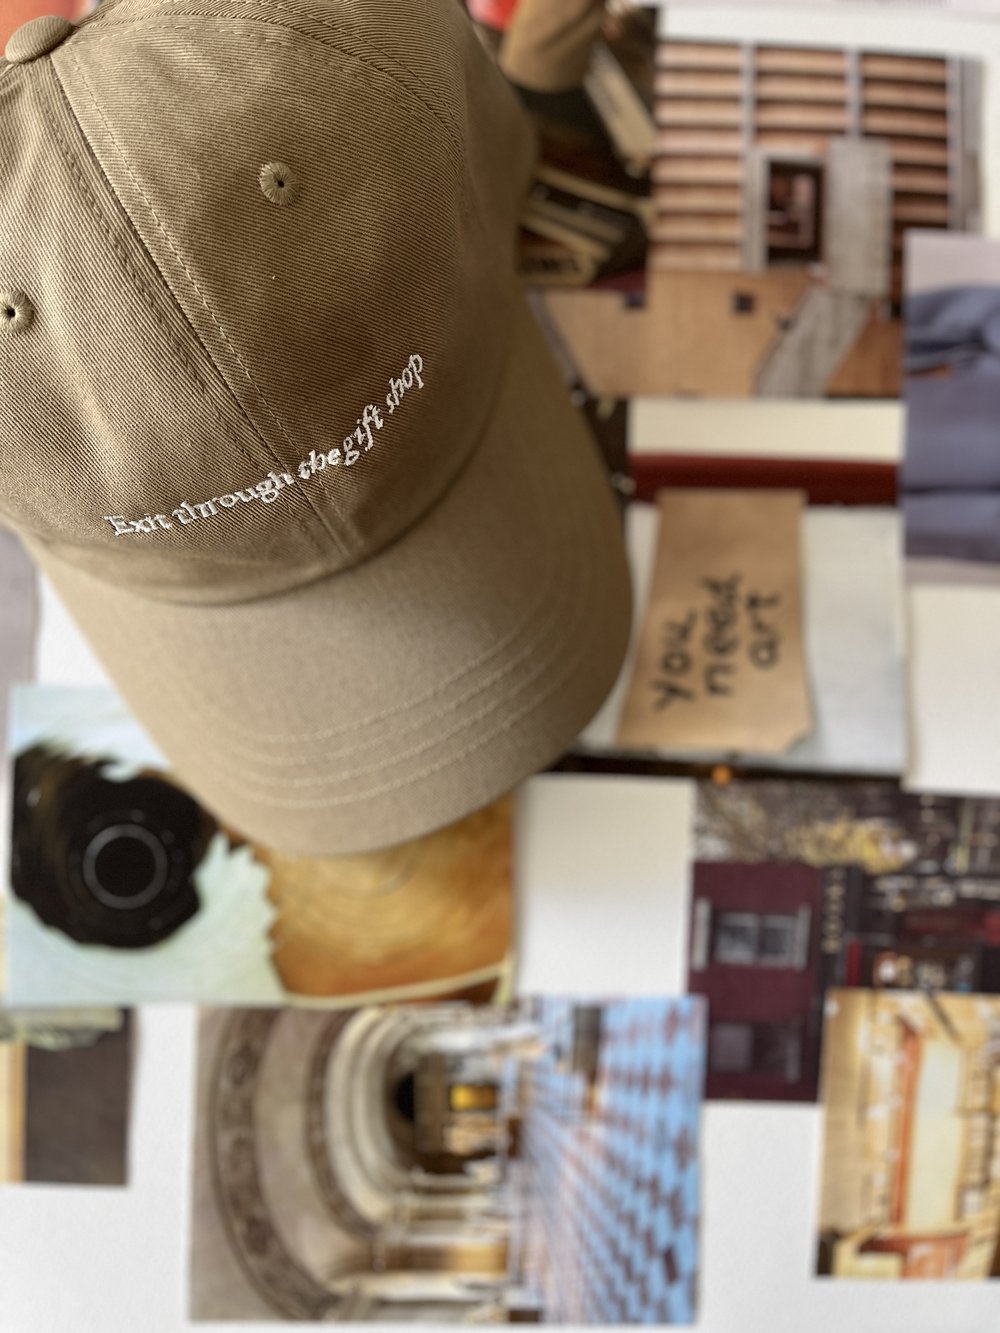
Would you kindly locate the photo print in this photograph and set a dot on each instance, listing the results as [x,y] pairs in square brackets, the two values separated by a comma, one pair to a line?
[801,887]
[124,889]
[785,181]
[950,478]
[966,8]
[65,1087]
[443,1163]
[911,1150]
[587,80]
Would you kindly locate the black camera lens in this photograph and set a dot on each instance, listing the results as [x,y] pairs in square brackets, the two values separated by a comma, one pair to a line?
[125,866]
[106,862]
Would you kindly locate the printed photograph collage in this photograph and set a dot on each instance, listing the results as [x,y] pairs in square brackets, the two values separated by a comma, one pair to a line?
[499,641]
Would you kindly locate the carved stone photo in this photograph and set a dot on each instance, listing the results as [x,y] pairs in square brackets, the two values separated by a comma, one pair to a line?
[449,1163]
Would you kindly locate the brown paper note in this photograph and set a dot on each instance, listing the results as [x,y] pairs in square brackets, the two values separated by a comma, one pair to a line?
[720,664]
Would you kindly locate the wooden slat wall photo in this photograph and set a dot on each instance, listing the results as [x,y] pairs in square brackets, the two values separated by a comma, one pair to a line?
[718,102]
[702,140]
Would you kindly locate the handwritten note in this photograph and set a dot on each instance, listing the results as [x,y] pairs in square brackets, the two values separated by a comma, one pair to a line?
[720,664]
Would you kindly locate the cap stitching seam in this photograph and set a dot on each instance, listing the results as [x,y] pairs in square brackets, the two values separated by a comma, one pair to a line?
[331,532]
[343,65]
[357,724]
[185,696]
[176,552]
[128,268]
[130,271]
[528,650]
[481,737]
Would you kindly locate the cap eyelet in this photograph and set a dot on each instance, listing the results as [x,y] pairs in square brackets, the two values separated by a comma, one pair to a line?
[16,311]
[279,183]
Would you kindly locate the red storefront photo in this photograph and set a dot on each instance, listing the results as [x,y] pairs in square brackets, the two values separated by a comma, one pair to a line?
[801,887]
[755,955]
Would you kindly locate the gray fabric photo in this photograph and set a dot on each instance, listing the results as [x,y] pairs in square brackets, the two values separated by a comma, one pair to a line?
[950,478]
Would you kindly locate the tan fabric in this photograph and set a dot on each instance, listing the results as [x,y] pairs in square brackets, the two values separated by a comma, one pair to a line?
[547,46]
[453,602]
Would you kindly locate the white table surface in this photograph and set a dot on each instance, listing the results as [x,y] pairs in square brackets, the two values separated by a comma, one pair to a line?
[602,869]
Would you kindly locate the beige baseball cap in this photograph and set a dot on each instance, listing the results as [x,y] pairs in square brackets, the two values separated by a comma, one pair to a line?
[275,418]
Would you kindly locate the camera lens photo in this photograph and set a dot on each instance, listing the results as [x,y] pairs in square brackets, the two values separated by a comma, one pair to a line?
[104,861]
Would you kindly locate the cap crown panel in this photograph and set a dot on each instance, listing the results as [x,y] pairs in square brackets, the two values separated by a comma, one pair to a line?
[388,251]
[105,398]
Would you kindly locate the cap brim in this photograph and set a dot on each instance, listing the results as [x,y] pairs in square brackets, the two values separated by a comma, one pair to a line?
[381,703]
